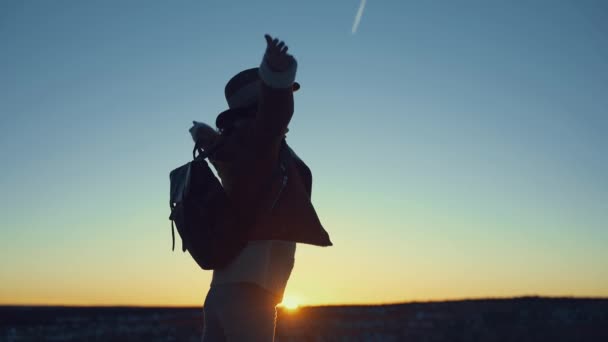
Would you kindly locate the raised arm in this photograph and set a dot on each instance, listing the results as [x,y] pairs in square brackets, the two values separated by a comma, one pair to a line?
[278,73]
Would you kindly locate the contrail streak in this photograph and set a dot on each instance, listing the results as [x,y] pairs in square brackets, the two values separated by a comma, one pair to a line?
[358,17]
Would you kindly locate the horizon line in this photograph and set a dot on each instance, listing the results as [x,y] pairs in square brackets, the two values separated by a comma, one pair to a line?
[454,300]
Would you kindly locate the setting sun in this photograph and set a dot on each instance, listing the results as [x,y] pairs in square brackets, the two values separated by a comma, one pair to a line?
[290,303]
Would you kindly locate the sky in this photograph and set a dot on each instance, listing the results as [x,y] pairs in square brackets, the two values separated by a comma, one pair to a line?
[458,147]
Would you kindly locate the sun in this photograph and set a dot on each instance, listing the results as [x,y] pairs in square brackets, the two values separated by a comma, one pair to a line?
[290,303]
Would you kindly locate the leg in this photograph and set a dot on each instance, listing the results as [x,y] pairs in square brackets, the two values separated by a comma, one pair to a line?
[250,314]
[212,328]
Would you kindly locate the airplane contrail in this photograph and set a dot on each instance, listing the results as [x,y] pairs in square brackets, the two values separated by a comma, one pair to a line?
[358,17]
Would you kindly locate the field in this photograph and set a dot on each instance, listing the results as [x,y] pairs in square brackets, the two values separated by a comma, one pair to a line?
[518,319]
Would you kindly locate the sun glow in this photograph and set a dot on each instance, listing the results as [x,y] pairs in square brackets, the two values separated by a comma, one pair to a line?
[290,303]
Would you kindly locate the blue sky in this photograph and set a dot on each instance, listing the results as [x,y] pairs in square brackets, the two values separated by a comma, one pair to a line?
[459,143]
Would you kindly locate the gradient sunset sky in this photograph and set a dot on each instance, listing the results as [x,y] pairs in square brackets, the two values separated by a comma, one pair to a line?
[459,148]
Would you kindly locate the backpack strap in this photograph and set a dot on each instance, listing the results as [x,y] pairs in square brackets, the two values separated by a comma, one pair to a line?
[284,161]
[172,235]
[203,154]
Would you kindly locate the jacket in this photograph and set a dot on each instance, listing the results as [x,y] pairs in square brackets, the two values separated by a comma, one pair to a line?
[274,205]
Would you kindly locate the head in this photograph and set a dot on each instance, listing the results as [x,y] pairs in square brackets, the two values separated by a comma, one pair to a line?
[242,94]
[232,119]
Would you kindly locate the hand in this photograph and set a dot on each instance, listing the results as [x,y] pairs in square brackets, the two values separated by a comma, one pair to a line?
[276,55]
[204,134]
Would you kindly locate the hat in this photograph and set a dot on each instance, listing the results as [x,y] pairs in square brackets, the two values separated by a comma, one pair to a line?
[242,93]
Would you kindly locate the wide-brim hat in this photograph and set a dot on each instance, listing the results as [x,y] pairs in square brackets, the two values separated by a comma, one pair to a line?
[242,94]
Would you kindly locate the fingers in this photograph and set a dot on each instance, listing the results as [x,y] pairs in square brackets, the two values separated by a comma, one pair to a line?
[274,45]
[274,48]
[270,43]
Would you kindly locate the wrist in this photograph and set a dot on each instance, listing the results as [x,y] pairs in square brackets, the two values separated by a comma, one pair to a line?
[278,79]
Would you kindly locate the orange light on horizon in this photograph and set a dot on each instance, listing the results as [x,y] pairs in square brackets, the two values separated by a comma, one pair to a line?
[290,303]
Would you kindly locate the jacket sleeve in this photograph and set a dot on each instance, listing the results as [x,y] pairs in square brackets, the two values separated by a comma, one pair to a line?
[276,104]
[275,109]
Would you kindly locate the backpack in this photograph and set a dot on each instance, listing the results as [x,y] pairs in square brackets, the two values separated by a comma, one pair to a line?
[209,227]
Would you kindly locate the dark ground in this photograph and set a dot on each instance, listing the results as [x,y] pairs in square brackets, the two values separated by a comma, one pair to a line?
[519,319]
